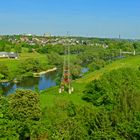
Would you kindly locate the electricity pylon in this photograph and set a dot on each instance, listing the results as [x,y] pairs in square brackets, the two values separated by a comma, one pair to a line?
[66,77]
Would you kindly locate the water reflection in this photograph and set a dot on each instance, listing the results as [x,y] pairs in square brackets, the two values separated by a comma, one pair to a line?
[43,82]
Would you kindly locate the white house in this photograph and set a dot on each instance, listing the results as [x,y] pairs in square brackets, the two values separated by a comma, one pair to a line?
[8,55]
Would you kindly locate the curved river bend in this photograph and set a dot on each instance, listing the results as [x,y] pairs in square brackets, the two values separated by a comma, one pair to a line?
[43,82]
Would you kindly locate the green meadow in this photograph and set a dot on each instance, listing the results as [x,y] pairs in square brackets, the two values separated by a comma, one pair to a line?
[49,97]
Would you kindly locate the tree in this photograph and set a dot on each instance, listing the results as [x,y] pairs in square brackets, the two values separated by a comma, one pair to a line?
[20,116]
[108,90]
[75,70]
[28,66]
[24,110]
[2,45]
[96,64]
[7,128]
[18,48]
[4,72]
[24,104]
[117,96]
[7,48]
[75,67]
[55,59]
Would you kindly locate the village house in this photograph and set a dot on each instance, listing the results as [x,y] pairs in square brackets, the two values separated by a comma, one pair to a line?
[9,55]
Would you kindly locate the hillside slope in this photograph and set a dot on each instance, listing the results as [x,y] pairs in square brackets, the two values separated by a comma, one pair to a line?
[133,62]
[51,96]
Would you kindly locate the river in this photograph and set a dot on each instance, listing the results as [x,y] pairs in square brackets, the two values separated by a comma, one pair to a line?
[40,83]
[43,82]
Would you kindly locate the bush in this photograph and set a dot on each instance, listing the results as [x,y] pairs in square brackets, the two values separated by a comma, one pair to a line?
[4,72]
[96,65]
[111,87]
[20,115]
[117,95]
[29,66]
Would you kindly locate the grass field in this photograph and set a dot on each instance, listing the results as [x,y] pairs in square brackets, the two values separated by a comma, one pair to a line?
[49,97]
[13,64]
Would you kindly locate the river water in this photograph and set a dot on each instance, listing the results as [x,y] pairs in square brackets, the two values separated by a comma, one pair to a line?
[43,82]
[40,83]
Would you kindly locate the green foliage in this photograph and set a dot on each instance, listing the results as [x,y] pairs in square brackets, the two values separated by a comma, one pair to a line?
[112,110]
[1,76]
[4,72]
[88,56]
[7,128]
[5,46]
[75,71]
[29,66]
[132,62]
[96,65]
[30,50]
[54,59]
[71,123]
[49,48]
[75,67]
[18,48]
[117,95]
[71,110]
[3,107]
[19,68]
[42,49]
[20,116]
[105,91]
[24,105]
[2,45]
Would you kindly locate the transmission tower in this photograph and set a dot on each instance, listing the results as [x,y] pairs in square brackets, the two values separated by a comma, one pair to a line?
[66,77]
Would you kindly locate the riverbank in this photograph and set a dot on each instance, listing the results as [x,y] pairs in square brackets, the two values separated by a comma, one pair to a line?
[44,72]
[14,67]
[4,81]
[34,75]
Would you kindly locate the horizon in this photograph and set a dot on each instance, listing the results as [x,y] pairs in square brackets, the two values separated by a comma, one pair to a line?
[90,37]
[81,18]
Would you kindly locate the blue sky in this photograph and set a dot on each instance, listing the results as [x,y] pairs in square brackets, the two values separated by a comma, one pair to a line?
[97,18]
